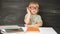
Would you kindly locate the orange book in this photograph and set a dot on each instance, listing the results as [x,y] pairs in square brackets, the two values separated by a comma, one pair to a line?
[33,29]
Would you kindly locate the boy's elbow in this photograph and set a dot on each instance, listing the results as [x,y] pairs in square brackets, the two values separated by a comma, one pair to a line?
[26,22]
[41,24]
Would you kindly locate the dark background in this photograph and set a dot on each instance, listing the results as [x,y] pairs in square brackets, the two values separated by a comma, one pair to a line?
[12,12]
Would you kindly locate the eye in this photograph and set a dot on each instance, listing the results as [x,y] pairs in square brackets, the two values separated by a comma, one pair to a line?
[32,7]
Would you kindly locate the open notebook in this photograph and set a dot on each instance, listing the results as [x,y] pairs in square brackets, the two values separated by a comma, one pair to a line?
[11,29]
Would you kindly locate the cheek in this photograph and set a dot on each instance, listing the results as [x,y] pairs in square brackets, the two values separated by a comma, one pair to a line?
[33,10]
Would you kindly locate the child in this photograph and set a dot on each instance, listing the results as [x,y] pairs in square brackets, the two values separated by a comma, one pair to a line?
[32,19]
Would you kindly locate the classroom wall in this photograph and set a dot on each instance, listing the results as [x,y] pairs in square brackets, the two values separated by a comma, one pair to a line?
[13,12]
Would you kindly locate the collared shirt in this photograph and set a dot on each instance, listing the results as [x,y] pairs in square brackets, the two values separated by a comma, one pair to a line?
[34,19]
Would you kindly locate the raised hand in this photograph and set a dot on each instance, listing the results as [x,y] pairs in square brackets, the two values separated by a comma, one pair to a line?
[28,11]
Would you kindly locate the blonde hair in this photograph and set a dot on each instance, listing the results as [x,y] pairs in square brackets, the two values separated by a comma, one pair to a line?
[33,2]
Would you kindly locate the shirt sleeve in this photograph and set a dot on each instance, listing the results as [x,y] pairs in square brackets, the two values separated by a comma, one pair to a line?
[38,19]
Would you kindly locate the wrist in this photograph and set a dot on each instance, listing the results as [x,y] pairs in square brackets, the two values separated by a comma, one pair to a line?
[28,14]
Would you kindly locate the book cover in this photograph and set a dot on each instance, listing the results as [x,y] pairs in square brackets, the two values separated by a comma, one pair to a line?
[33,29]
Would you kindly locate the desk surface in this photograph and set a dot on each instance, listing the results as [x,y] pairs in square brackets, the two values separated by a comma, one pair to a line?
[43,30]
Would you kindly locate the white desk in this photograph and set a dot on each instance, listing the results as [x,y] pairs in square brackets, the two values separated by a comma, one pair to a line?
[43,30]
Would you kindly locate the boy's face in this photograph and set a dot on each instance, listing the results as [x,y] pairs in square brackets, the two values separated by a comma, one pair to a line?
[33,8]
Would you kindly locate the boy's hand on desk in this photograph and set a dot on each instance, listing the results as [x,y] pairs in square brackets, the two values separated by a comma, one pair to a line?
[30,25]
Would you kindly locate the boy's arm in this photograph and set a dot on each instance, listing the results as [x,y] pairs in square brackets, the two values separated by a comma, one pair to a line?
[27,17]
[35,25]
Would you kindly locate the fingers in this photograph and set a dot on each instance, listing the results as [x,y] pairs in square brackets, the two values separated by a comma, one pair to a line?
[28,11]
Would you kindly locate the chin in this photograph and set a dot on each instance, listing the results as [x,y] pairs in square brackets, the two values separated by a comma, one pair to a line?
[34,13]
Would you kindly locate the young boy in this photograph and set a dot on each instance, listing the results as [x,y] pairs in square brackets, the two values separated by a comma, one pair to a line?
[32,19]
